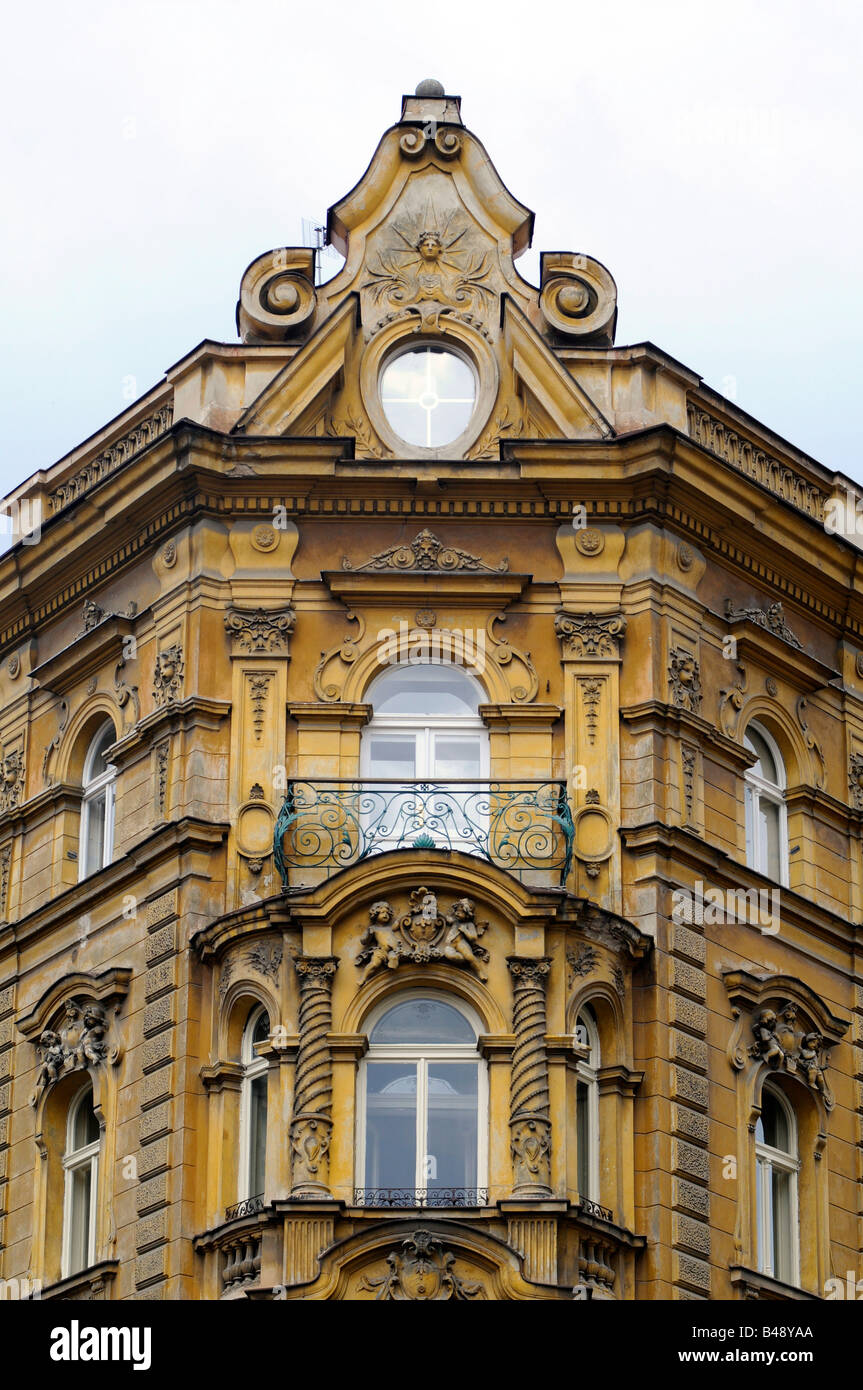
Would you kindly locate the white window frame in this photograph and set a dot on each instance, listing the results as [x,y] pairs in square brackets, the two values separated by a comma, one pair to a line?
[587,1071]
[420,1054]
[73,1161]
[93,789]
[766,1159]
[425,728]
[254,1066]
[758,789]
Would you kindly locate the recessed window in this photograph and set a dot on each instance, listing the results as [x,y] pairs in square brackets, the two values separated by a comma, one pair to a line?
[81,1167]
[777,1165]
[423,1115]
[253,1105]
[428,395]
[587,1106]
[766,815]
[97,808]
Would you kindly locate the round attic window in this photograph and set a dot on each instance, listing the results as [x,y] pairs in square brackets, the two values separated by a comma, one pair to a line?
[428,395]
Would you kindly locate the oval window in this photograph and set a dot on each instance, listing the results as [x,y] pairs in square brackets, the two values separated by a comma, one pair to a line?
[428,395]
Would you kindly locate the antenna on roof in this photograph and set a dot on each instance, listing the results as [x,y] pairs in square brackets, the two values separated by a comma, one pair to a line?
[315,235]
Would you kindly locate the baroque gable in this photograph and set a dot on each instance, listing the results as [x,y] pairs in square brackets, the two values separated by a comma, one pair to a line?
[430,237]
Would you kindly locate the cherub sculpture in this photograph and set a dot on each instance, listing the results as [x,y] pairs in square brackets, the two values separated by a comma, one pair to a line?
[461,941]
[380,945]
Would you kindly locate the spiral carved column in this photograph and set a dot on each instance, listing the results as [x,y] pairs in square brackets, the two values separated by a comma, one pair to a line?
[530,1127]
[312,1123]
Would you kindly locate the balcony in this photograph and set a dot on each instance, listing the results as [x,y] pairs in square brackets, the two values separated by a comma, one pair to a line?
[524,827]
[394,1198]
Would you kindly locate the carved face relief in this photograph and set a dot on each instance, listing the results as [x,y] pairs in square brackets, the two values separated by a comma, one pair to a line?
[431,263]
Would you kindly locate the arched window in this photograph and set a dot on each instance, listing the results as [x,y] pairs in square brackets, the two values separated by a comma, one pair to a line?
[766,817]
[81,1170]
[426,729]
[97,808]
[423,1107]
[587,1105]
[253,1107]
[777,1166]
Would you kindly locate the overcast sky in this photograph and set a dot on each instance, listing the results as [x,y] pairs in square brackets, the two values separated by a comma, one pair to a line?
[709,155]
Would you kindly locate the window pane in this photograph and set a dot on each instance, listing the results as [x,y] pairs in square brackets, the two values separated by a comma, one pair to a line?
[773,1123]
[423,1021]
[79,1236]
[768,822]
[95,847]
[96,762]
[262,1030]
[766,765]
[86,1127]
[258,1137]
[392,757]
[391,1097]
[451,1146]
[783,1217]
[455,756]
[424,689]
[582,1137]
[428,396]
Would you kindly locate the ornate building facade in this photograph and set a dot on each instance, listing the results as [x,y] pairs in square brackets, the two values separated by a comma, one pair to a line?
[432,785]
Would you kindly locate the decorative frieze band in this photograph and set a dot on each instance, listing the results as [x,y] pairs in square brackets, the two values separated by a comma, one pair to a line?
[756,463]
[112,458]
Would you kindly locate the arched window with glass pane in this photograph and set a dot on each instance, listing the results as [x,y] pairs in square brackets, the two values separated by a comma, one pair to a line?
[252,1178]
[777,1166]
[587,1104]
[81,1179]
[426,729]
[423,1106]
[766,813]
[97,806]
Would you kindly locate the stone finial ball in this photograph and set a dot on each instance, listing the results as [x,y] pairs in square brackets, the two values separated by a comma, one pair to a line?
[429,87]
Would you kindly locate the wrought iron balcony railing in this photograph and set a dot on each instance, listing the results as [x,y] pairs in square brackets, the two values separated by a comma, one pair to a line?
[420,1197]
[523,826]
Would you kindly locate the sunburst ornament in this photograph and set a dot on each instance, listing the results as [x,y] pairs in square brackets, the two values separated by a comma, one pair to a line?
[430,270]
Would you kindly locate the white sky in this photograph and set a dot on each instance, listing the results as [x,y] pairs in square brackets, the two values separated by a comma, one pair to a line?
[709,155]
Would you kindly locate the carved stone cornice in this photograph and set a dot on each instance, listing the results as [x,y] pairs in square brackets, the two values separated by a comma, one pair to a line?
[748,457]
[193,712]
[590,636]
[93,650]
[259,631]
[139,437]
[764,641]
